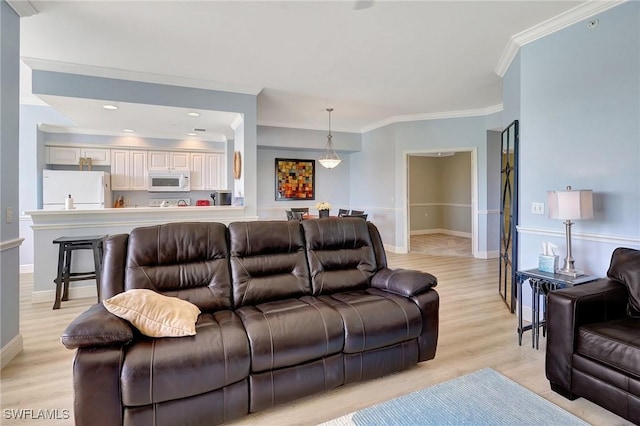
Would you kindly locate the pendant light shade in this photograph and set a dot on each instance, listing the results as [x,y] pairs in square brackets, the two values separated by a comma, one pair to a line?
[330,158]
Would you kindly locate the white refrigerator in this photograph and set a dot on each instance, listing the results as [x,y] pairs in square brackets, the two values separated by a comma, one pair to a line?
[89,189]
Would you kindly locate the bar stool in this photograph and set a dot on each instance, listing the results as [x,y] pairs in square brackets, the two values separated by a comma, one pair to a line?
[67,245]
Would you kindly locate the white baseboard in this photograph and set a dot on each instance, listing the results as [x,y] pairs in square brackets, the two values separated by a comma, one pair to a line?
[487,254]
[10,350]
[26,268]
[440,231]
[395,249]
[47,296]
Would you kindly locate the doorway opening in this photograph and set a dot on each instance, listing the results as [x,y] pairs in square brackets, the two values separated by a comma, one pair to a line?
[441,202]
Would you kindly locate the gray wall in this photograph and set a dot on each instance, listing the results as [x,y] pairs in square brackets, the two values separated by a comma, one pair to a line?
[440,193]
[331,184]
[9,164]
[382,165]
[579,120]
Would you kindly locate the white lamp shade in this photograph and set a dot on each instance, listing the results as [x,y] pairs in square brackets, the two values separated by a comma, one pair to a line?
[570,205]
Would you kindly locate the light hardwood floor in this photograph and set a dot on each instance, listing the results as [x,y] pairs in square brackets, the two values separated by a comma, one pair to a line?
[476,331]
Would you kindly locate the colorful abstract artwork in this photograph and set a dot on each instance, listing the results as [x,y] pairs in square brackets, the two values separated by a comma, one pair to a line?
[295,179]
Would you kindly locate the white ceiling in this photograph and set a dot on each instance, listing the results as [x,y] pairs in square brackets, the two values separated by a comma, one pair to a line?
[390,61]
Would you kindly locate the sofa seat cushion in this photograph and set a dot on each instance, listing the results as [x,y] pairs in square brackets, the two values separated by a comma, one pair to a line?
[374,318]
[613,343]
[289,332]
[162,369]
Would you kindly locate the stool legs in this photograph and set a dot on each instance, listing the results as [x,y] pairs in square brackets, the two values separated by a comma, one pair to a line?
[67,272]
[58,280]
[97,262]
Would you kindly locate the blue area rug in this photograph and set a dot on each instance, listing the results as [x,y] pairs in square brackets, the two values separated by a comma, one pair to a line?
[484,397]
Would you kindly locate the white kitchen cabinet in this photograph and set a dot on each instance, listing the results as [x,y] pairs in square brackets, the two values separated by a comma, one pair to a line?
[215,171]
[179,160]
[63,155]
[70,155]
[99,156]
[139,171]
[198,180]
[168,160]
[120,169]
[207,171]
[128,170]
[158,160]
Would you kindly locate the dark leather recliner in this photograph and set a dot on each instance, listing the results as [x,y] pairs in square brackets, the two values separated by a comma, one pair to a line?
[593,339]
[289,309]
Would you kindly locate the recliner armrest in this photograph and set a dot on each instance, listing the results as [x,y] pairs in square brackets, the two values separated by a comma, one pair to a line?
[97,327]
[569,309]
[405,282]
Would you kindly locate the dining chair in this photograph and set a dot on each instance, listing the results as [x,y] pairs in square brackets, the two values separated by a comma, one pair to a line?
[304,210]
[342,212]
[356,212]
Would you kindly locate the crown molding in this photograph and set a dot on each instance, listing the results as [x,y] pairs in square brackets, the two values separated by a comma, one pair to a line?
[433,116]
[395,119]
[117,73]
[23,8]
[307,127]
[550,26]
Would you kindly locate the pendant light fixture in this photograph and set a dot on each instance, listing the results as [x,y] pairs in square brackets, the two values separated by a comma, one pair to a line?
[330,158]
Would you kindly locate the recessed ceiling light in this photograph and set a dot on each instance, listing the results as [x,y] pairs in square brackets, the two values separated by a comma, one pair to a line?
[192,134]
[193,114]
[109,107]
[128,130]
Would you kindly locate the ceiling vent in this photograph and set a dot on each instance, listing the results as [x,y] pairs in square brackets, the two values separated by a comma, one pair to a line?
[199,130]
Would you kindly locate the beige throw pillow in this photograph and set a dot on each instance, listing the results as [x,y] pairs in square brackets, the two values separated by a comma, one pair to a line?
[153,314]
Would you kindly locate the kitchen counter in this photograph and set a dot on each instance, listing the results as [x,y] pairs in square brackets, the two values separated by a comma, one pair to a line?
[51,224]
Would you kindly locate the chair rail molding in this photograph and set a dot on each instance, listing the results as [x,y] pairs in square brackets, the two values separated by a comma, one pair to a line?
[599,238]
[9,244]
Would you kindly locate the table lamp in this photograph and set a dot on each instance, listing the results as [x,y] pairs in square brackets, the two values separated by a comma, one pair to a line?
[570,205]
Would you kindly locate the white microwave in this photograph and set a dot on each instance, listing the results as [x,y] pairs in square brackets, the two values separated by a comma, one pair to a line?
[169,181]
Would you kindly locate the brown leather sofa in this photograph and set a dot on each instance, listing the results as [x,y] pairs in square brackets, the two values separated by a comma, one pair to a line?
[593,340]
[289,309]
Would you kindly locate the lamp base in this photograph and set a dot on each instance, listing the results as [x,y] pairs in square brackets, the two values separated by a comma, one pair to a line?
[574,273]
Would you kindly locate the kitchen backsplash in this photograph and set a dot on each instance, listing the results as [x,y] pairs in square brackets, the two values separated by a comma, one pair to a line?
[142,198]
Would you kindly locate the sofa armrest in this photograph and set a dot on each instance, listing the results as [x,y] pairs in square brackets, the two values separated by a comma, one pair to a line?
[97,327]
[405,282]
[569,309]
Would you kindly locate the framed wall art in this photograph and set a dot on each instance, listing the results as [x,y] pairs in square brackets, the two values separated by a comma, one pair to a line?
[295,179]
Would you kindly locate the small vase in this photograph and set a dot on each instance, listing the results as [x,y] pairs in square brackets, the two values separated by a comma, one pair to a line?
[323,213]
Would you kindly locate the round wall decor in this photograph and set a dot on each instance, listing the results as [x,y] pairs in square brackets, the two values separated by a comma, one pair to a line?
[237,165]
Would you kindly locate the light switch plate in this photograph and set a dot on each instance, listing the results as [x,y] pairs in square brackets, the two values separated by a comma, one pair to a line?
[9,212]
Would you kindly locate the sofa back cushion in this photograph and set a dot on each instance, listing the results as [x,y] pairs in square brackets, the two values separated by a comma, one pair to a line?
[625,268]
[268,262]
[340,253]
[185,260]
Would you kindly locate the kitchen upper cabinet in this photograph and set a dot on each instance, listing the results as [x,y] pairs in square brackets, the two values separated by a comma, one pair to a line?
[216,171]
[68,155]
[168,160]
[63,155]
[99,156]
[129,170]
[207,171]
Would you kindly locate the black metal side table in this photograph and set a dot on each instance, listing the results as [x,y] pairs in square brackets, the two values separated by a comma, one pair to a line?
[541,284]
[66,247]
